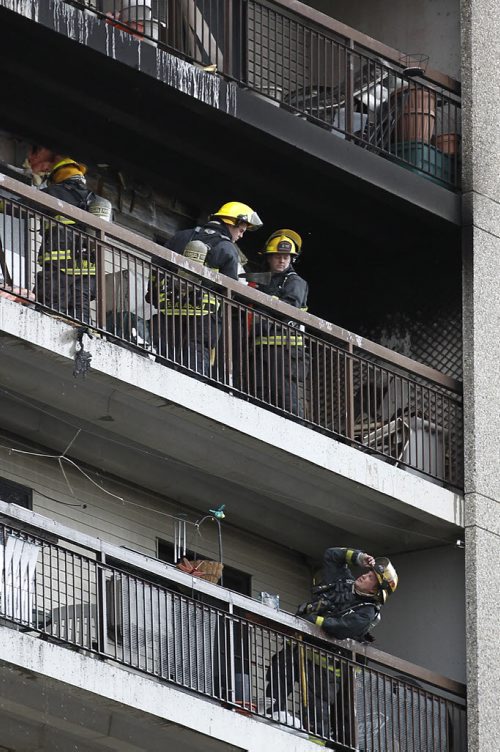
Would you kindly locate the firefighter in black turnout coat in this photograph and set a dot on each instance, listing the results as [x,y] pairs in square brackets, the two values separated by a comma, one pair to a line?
[345,608]
[67,281]
[280,359]
[187,326]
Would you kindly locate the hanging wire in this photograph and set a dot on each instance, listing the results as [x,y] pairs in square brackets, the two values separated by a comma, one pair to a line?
[60,458]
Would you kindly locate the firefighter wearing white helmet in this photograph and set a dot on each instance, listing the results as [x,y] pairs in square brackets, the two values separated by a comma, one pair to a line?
[67,281]
[188,323]
[281,362]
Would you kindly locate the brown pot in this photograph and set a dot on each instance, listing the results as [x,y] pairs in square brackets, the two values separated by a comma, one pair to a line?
[447,143]
[418,117]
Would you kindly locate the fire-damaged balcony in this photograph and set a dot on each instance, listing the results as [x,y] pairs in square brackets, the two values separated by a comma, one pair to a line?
[346,387]
[206,81]
[114,607]
[315,67]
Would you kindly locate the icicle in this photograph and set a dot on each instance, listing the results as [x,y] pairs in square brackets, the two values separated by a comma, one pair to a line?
[231,98]
[64,19]
[188,78]
[27,8]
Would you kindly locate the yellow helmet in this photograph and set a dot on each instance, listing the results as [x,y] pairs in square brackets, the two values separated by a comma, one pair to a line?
[387,577]
[234,212]
[283,241]
[66,168]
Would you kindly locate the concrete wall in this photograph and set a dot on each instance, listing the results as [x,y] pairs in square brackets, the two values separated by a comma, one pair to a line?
[481,244]
[431,589]
[429,26]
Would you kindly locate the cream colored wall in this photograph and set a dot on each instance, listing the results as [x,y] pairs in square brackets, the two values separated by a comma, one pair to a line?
[141,519]
[431,27]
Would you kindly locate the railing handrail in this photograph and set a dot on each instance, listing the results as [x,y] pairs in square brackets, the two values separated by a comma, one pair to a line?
[364,40]
[144,245]
[280,619]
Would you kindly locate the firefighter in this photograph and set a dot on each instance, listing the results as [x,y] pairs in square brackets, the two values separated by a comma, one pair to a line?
[344,607]
[280,361]
[67,280]
[188,324]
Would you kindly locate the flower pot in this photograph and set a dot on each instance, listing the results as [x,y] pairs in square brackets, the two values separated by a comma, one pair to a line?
[418,117]
[447,143]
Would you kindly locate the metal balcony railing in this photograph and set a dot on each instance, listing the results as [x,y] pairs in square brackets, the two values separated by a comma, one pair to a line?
[255,346]
[237,652]
[314,66]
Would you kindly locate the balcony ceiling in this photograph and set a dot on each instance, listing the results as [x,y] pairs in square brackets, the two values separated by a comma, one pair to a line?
[196,461]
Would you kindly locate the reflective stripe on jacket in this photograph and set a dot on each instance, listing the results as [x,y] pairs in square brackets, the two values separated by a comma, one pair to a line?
[209,304]
[175,303]
[292,340]
[79,260]
[292,289]
[81,267]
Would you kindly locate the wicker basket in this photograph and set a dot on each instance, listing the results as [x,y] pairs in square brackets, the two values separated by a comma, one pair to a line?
[208,570]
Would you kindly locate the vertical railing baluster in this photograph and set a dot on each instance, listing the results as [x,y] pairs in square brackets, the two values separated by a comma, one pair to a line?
[349,392]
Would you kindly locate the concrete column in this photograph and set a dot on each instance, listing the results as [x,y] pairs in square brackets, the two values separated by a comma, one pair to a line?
[481,248]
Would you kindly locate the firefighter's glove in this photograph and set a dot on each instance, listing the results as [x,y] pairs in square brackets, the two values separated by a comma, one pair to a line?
[319,606]
[315,619]
[304,609]
[367,638]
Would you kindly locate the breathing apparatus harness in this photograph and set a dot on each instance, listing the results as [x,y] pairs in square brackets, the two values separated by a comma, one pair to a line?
[324,606]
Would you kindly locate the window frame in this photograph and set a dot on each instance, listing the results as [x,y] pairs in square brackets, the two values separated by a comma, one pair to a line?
[15,489]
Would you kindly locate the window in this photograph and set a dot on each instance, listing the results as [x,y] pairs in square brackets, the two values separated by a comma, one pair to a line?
[13,493]
[234,579]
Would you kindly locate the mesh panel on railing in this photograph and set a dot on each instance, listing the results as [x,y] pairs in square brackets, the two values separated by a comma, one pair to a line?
[353,93]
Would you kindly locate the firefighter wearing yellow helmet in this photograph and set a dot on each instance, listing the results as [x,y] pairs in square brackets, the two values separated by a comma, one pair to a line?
[236,214]
[188,323]
[280,358]
[67,281]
